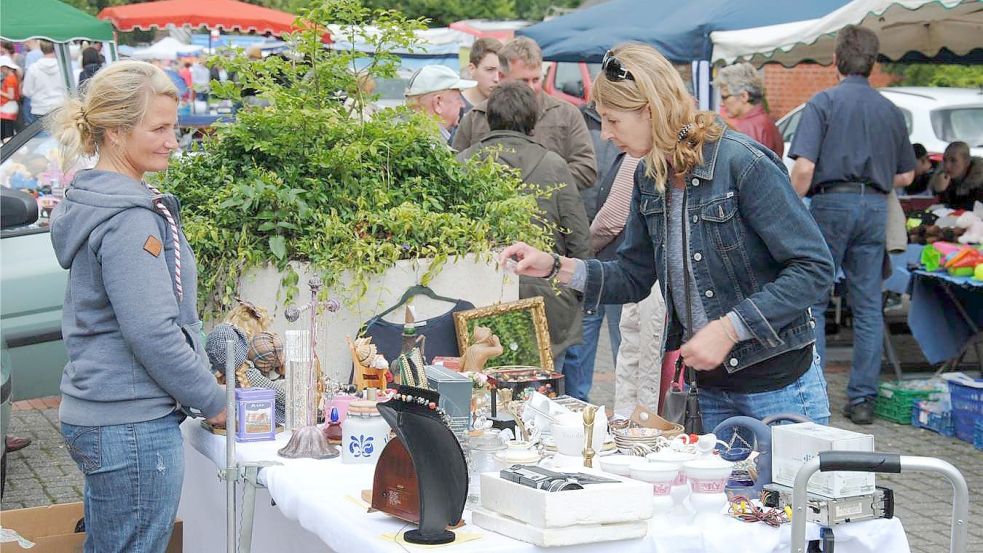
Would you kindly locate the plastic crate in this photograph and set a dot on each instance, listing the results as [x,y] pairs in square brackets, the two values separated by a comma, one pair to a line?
[895,400]
[967,404]
[978,435]
[934,416]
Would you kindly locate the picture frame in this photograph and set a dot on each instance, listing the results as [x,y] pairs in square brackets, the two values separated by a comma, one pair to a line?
[529,342]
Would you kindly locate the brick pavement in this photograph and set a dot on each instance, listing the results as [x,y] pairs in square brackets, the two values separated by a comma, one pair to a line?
[43,473]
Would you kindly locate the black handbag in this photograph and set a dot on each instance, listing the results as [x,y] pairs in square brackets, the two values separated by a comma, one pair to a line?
[682,406]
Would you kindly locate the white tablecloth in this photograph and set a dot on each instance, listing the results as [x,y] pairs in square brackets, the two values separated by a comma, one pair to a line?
[318,508]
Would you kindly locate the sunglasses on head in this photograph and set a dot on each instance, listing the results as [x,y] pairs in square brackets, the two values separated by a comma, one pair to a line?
[614,70]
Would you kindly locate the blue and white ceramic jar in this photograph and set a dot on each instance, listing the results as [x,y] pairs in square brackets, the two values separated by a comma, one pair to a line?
[364,433]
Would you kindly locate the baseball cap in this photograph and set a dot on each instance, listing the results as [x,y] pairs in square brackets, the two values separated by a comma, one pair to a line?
[434,78]
[7,62]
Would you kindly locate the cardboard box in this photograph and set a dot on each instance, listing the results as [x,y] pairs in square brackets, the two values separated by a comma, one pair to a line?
[792,445]
[52,529]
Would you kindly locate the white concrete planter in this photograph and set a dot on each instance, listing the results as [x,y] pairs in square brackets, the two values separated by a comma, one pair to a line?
[467,278]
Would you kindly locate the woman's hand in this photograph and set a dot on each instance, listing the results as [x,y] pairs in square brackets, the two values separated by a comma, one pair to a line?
[218,421]
[527,260]
[707,349]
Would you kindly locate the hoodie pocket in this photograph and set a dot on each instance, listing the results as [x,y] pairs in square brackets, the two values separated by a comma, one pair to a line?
[192,334]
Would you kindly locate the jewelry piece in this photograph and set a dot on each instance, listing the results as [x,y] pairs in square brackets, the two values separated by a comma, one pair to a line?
[422,401]
[684,132]
[731,334]
[556,267]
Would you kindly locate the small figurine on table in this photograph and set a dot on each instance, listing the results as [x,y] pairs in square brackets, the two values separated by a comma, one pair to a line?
[371,368]
[484,346]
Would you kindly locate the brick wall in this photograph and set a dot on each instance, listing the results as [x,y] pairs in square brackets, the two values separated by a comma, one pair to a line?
[786,88]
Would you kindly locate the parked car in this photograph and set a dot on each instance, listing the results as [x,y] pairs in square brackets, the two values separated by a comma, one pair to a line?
[935,117]
[32,283]
[570,81]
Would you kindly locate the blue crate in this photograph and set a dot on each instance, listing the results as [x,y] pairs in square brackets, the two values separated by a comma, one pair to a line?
[932,416]
[967,405]
[978,435]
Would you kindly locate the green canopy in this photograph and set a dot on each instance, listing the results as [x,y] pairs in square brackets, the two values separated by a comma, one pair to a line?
[51,20]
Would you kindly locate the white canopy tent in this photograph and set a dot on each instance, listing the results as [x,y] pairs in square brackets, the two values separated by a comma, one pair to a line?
[168,48]
[903,26]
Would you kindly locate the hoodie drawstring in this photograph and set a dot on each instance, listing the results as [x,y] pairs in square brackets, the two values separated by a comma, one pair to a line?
[175,239]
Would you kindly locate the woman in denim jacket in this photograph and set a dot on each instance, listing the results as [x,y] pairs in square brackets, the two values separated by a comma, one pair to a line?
[738,298]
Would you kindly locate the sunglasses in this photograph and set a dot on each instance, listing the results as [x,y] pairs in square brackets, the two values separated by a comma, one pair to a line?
[614,70]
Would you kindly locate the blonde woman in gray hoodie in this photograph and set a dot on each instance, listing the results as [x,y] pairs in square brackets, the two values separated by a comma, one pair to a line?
[129,321]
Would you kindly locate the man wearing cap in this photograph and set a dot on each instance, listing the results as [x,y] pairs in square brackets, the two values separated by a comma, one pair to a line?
[559,126]
[436,90]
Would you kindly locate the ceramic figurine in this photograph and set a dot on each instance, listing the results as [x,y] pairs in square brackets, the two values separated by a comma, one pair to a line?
[371,368]
[484,346]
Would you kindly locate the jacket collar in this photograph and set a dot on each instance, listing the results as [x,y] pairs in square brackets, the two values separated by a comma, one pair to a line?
[495,136]
[710,149]
[855,79]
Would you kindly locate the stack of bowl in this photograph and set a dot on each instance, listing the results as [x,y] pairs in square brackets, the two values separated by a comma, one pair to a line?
[628,438]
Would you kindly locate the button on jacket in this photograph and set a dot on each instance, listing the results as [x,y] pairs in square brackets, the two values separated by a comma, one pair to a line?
[761,253]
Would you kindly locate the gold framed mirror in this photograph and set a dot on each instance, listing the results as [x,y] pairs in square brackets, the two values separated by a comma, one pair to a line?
[520,326]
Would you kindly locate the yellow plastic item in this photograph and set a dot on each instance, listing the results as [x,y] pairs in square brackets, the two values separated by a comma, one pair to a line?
[978,273]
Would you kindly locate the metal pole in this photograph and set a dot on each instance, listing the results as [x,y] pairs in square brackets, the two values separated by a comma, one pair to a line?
[230,447]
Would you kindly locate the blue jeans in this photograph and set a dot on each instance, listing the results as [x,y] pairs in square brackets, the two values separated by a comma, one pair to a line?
[806,396]
[578,363]
[133,476]
[854,226]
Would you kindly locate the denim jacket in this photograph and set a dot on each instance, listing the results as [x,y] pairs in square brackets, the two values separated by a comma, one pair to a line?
[754,249]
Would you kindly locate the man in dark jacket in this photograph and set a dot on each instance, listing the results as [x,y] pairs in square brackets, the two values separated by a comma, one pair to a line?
[511,114]
[559,126]
[960,182]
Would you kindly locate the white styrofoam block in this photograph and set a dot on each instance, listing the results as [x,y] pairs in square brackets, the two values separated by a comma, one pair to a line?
[792,445]
[552,537]
[625,501]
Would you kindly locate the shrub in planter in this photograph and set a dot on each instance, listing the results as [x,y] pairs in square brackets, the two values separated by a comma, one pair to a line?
[305,179]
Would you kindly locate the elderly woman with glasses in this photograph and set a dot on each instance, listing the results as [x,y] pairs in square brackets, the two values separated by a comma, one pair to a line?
[714,219]
[741,93]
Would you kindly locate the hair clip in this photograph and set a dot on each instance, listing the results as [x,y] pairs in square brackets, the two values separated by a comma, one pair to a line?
[684,132]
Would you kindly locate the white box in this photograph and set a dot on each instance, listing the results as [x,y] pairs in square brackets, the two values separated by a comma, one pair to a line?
[626,501]
[552,537]
[792,445]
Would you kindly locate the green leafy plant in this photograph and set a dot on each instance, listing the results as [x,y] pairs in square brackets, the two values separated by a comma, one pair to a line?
[304,179]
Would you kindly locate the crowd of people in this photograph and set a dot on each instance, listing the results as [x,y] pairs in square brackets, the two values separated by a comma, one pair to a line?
[680,227]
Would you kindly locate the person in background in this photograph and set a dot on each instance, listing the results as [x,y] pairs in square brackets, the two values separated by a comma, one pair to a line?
[43,83]
[436,90]
[8,49]
[559,126]
[9,96]
[851,149]
[923,172]
[714,220]
[130,320]
[960,182]
[511,111]
[485,69]
[185,73]
[90,64]
[578,367]
[742,92]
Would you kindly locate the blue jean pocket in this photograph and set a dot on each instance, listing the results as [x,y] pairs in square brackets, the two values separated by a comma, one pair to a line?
[84,446]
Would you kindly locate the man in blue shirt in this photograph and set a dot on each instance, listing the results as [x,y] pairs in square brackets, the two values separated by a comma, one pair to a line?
[850,149]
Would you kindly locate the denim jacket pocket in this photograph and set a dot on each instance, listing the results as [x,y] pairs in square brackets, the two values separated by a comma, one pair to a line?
[724,226]
[653,209]
[84,446]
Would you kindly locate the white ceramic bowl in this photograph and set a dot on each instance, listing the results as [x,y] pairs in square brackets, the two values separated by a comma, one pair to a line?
[620,464]
[708,474]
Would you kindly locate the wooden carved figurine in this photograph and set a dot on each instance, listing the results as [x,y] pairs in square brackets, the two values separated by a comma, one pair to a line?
[484,346]
[370,366]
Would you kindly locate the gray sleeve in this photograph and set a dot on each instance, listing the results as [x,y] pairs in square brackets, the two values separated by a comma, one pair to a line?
[139,287]
[808,139]
[579,279]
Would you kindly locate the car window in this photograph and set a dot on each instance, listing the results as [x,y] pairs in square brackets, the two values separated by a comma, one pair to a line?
[788,125]
[964,124]
[907,119]
[36,169]
[593,69]
[568,77]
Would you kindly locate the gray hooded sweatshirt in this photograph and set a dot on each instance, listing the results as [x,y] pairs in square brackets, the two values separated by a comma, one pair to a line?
[134,351]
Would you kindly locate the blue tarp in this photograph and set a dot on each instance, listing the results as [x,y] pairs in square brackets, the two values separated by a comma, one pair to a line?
[680,29]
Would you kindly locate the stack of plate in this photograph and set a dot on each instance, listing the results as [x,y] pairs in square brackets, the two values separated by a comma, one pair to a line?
[628,438]
[607,448]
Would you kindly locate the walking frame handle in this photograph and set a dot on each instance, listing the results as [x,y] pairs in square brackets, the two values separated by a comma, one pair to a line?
[865,461]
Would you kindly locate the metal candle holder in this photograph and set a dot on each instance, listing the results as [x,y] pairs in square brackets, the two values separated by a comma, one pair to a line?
[309,440]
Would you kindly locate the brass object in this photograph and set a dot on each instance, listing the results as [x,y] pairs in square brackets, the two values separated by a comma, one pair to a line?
[589,412]
[537,311]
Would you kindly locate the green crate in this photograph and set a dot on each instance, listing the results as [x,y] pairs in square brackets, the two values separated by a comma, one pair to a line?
[895,400]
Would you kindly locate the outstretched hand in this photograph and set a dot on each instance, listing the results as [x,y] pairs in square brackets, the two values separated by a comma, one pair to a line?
[523,259]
